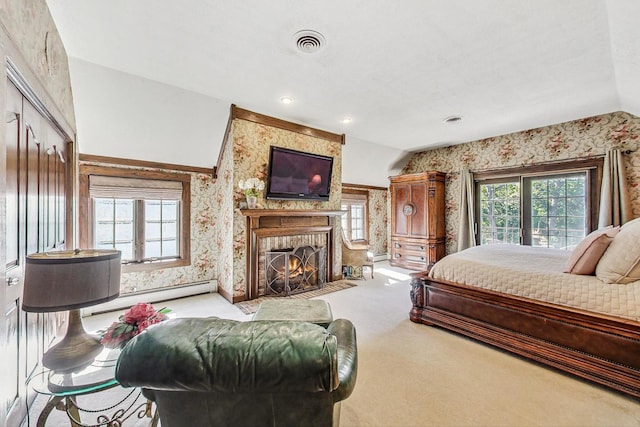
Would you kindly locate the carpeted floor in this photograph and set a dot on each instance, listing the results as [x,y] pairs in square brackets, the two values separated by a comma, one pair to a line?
[250,307]
[415,375]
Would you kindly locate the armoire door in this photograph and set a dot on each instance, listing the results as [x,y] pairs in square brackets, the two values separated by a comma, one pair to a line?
[400,198]
[35,195]
[418,219]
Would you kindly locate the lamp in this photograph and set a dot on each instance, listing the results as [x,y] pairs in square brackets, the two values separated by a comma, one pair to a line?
[70,280]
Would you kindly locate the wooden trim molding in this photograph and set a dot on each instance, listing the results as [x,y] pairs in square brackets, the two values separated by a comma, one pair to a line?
[143,164]
[536,168]
[225,141]
[230,297]
[346,186]
[364,193]
[242,114]
[132,173]
[257,213]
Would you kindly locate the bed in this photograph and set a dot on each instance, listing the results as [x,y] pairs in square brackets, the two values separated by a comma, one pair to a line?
[519,299]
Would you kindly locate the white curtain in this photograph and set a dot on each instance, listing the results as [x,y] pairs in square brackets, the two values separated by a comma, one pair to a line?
[615,205]
[466,231]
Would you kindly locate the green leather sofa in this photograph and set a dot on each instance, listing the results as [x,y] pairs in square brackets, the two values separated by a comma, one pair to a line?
[218,372]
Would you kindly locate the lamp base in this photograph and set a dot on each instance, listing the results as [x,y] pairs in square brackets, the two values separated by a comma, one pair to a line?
[75,351]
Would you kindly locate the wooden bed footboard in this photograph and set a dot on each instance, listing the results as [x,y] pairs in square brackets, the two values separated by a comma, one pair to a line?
[603,349]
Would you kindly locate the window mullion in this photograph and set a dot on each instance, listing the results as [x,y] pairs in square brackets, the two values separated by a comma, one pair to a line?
[179,208]
[139,230]
[525,211]
[162,203]
[115,223]
[161,227]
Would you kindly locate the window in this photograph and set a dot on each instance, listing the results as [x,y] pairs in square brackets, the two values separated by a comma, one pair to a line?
[117,223]
[558,210]
[499,212]
[552,206]
[354,221]
[146,217]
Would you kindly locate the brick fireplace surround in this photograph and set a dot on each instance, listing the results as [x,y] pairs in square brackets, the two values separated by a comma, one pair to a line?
[266,225]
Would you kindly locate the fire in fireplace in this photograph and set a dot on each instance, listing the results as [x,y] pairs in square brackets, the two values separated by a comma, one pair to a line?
[294,270]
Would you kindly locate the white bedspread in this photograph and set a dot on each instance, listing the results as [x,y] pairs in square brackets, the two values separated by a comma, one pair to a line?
[536,273]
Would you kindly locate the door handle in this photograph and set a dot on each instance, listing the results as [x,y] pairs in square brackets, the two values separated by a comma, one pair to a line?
[12,281]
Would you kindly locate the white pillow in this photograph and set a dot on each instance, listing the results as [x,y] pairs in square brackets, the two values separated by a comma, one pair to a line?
[621,261]
[585,256]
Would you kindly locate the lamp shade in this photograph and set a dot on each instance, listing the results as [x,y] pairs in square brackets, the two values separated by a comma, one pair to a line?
[68,280]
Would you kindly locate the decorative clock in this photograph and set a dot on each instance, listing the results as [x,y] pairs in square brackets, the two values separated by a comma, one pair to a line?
[408,209]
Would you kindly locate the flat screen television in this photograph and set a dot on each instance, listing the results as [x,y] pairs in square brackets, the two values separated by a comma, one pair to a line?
[296,175]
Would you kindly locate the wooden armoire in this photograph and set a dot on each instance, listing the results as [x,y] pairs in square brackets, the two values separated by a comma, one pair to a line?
[417,220]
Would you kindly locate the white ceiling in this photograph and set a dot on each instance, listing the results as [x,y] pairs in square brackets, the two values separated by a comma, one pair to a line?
[396,67]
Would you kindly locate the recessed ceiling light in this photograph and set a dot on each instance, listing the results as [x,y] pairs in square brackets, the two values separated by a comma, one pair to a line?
[452,119]
[286,99]
[347,120]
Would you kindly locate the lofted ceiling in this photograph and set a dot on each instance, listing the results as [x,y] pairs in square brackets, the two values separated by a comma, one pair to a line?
[396,68]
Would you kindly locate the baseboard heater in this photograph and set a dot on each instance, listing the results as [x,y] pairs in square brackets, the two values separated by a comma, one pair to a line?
[153,296]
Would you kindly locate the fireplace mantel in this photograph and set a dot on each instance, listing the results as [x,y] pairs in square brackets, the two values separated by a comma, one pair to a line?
[265,223]
[292,212]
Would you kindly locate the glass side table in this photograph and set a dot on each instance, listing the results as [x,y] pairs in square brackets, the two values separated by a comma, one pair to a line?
[64,388]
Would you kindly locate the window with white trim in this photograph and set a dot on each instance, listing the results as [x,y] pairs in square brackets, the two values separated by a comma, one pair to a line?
[499,217]
[354,221]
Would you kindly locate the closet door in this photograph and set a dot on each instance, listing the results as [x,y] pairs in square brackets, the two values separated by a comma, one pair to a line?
[36,206]
[14,238]
[53,182]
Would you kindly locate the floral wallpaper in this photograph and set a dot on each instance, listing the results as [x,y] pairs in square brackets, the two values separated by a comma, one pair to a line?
[204,252]
[378,220]
[225,197]
[247,156]
[571,140]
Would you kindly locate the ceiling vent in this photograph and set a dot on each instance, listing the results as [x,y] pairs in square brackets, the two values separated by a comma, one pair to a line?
[309,41]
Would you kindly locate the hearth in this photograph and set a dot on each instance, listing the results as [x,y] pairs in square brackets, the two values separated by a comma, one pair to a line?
[268,229]
[293,270]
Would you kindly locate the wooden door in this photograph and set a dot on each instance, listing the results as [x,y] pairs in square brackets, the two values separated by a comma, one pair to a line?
[36,171]
[14,196]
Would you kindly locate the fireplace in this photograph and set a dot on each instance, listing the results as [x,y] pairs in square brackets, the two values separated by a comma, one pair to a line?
[271,230]
[294,270]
